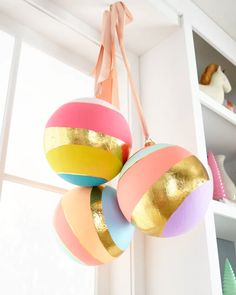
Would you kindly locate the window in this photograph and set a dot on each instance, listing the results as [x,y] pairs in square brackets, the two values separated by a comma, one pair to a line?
[43,85]
[32,261]
[6,50]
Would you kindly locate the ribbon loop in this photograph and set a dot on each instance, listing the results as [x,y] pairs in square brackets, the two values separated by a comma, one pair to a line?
[105,70]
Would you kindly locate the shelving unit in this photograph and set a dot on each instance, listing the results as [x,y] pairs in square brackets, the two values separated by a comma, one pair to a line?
[225,224]
[220,131]
[219,122]
[225,220]
[206,54]
[219,125]
[222,111]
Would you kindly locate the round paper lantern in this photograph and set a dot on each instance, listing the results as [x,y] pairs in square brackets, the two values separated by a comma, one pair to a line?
[91,226]
[164,190]
[87,142]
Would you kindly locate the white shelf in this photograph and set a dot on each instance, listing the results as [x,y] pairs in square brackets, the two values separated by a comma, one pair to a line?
[220,130]
[225,220]
[217,108]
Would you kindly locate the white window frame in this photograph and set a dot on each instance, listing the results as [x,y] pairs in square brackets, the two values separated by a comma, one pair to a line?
[126,275]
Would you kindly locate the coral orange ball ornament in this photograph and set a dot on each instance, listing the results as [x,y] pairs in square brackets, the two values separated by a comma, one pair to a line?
[164,190]
[87,142]
[91,226]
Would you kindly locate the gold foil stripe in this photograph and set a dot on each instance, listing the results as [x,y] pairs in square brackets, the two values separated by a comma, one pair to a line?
[100,224]
[58,136]
[167,194]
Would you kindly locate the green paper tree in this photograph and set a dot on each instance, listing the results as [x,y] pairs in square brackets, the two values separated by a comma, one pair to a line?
[229,284]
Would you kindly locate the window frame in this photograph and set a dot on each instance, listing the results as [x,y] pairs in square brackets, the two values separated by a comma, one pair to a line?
[124,268]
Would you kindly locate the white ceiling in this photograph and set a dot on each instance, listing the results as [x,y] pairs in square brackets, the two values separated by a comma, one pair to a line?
[222,12]
[150,25]
[75,24]
[145,17]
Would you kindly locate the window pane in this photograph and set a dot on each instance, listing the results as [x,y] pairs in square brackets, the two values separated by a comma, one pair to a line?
[43,84]
[32,261]
[6,50]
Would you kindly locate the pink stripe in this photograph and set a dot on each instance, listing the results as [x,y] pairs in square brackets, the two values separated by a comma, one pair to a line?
[68,238]
[91,116]
[143,174]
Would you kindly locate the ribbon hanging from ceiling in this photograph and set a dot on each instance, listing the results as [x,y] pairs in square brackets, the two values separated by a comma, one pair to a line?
[106,86]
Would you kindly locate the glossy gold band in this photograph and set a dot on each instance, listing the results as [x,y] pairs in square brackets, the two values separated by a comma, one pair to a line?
[58,136]
[167,194]
[100,224]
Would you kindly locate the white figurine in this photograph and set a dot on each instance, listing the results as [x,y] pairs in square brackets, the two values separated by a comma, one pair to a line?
[215,83]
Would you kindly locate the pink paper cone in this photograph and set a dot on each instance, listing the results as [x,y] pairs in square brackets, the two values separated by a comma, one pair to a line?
[219,191]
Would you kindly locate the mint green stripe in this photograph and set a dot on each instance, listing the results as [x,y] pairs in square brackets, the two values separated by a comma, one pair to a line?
[140,154]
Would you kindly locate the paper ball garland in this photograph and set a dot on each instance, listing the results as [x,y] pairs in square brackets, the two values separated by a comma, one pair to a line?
[87,142]
[91,226]
[164,190]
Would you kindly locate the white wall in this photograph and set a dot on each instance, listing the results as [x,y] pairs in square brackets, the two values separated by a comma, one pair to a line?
[179,265]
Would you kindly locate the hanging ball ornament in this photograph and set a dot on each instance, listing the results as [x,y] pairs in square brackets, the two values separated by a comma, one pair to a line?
[91,226]
[87,142]
[164,190]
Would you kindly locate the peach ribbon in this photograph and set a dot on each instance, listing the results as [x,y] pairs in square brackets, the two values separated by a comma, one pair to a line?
[106,86]
[105,71]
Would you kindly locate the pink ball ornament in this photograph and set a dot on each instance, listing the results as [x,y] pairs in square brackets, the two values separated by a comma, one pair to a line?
[87,142]
[164,190]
